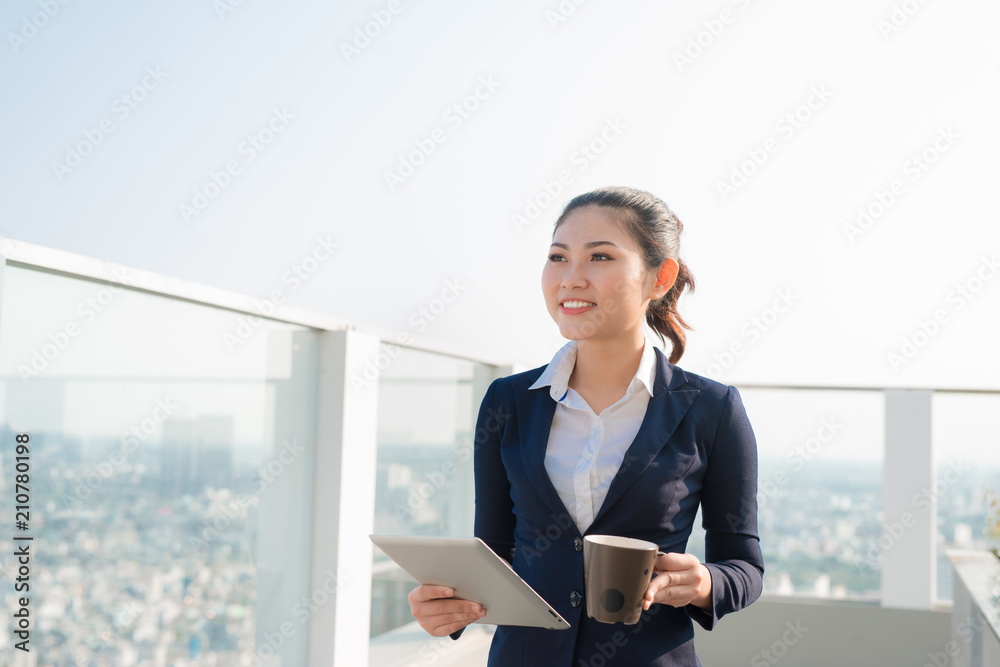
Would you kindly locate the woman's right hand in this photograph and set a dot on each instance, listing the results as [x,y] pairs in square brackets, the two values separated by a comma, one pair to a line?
[440,615]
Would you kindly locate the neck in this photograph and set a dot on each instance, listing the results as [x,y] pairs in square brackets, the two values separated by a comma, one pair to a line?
[607,363]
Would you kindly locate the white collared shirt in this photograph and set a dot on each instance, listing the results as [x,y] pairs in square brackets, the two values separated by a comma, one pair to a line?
[585,450]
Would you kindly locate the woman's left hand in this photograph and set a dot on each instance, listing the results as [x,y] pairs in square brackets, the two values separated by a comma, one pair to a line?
[680,580]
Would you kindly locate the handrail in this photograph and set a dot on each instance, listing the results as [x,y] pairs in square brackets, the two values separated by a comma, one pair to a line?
[817,387]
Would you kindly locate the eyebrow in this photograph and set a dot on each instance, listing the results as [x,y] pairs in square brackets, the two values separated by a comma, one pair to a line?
[592,244]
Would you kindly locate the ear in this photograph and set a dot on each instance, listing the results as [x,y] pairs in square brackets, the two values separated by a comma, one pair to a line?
[665,278]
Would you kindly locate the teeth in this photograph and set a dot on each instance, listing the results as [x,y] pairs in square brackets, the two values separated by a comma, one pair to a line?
[577,304]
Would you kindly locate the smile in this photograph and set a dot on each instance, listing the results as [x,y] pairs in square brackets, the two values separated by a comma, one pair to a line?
[573,306]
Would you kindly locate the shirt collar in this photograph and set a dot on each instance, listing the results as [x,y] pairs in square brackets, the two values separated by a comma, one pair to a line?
[557,372]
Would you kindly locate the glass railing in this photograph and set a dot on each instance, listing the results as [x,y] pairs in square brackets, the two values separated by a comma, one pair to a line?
[169,472]
[426,410]
[174,507]
[967,464]
[819,492]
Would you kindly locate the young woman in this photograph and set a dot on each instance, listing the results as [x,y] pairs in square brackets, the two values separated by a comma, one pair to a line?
[610,437]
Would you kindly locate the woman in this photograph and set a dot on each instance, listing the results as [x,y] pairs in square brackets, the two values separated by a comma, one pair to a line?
[610,437]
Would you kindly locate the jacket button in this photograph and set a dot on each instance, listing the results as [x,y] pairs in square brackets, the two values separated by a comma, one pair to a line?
[578,544]
[575,598]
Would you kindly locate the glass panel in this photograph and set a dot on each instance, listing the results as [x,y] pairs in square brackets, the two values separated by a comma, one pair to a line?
[967,463]
[819,491]
[170,467]
[427,408]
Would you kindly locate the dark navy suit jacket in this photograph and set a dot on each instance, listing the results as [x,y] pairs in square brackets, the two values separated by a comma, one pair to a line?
[695,444]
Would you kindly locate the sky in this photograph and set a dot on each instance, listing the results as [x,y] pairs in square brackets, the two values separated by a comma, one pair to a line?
[834,164]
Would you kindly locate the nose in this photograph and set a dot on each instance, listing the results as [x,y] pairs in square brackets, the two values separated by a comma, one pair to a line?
[573,276]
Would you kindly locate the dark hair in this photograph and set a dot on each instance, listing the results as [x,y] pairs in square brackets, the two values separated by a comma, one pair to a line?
[656,230]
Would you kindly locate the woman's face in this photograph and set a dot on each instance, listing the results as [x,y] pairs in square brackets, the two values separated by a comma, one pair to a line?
[592,260]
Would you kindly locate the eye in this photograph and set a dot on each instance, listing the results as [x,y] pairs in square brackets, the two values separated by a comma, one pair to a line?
[555,257]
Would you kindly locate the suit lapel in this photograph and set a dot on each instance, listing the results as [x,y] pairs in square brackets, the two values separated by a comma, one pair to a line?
[535,410]
[666,408]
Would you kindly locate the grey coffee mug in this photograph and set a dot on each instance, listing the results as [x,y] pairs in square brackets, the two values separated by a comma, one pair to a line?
[617,571]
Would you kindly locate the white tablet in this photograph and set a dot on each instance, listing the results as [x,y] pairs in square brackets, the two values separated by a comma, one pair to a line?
[469,566]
